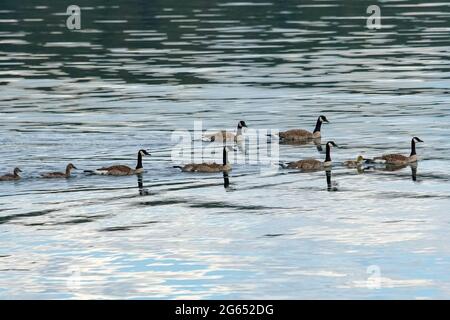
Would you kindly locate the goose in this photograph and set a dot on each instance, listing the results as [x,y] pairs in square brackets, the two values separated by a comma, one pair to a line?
[11,177]
[354,163]
[223,135]
[226,180]
[399,159]
[301,134]
[52,175]
[120,170]
[208,167]
[313,164]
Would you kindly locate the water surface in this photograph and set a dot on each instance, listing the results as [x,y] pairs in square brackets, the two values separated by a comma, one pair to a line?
[138,70]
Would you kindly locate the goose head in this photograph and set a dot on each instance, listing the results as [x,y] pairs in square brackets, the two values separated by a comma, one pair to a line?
[143,152]
[17,171]
[416,139]
[242,124]
[323,119]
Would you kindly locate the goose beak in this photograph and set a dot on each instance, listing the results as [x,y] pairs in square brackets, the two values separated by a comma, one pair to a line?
[75,168]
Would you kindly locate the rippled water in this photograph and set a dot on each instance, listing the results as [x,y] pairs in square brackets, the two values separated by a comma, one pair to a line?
[137,70]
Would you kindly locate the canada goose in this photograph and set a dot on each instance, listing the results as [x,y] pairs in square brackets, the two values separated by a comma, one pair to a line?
[316,141]
[223,135]
[301,135]
[11,177]
[226,180]
[354,163]
[52,175]
[208,167]
[120,170]
[399,159]
[142,190]
[313,164]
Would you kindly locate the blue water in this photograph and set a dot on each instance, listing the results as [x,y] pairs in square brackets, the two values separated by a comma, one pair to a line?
[138,71]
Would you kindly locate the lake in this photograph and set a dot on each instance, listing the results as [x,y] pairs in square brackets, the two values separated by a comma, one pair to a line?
[138,71]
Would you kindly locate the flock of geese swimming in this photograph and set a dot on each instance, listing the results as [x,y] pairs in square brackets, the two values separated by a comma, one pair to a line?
[294,136]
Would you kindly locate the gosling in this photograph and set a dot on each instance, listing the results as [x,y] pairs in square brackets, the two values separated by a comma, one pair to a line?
[223,135]
[11,177]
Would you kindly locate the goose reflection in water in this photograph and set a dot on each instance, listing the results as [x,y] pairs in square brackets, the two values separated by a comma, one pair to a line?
[226,182]
[331,186]
[394,168]
[317,142]
[142,190]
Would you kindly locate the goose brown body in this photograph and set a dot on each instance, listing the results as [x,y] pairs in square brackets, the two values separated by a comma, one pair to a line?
[11,177]
[297,135]
[117,170]
[205,167]
[307,164]
[222,136]
[208,167]
[397,159]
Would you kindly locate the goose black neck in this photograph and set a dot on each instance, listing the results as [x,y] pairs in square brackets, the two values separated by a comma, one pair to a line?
[413,147]
[318,125]
[239,131]
[225,156]
[139,161]
[328,153]
[68,170]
